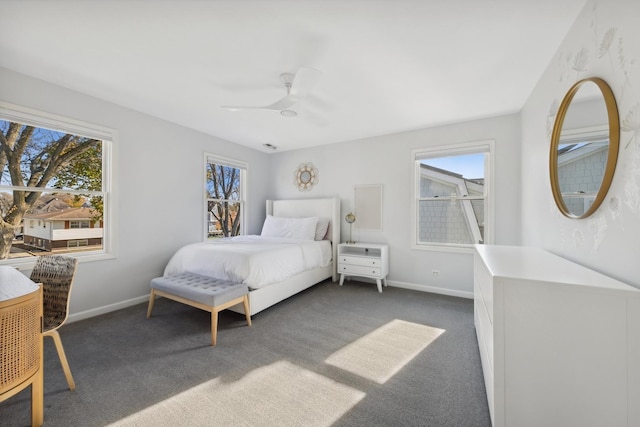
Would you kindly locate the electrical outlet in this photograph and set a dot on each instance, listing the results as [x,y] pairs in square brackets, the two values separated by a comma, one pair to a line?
[435,272]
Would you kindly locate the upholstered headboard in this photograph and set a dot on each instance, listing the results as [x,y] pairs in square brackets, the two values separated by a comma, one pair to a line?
[300,208]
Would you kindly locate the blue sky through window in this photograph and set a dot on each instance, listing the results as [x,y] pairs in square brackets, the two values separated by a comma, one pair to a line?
[470,166]
[41,138]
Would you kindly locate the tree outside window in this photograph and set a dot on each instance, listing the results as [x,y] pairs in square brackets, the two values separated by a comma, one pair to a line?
[49,177]
[224,197]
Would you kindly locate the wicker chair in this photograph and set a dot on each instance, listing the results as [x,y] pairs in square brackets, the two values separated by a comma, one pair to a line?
[21,350]
[56,274]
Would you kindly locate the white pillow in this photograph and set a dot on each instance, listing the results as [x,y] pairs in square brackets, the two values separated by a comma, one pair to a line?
[293,228]
[321,228]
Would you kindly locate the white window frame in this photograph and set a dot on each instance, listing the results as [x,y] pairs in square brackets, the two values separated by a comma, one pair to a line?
[109,138]
[487,146]
[244,170]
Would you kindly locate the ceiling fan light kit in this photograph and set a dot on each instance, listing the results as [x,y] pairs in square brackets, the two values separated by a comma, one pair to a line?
[288,113]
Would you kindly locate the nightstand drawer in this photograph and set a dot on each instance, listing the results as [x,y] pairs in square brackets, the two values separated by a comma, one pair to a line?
[358,270]
[358,260]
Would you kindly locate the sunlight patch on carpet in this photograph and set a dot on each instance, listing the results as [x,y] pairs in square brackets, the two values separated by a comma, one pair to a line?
[380,354]
[280,394]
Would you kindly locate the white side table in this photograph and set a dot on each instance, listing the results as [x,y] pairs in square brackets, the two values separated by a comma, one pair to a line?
[364,260]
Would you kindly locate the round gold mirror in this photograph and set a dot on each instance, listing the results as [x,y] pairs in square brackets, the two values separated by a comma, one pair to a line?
[305,177]
[584,148]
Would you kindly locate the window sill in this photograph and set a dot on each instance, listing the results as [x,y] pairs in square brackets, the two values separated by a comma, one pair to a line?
[460,249]
[27,263]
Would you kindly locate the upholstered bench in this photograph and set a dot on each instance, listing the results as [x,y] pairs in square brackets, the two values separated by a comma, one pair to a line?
[205,293]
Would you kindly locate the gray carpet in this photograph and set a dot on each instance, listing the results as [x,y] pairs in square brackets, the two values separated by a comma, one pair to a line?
[341,356]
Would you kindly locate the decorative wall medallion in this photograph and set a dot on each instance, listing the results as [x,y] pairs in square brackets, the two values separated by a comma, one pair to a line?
[305,176]
[631,124]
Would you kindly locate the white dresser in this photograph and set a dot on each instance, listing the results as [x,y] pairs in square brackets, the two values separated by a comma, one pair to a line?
[559,343]
[364,260]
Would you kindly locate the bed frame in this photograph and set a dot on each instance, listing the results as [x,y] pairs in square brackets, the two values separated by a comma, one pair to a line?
[260,299]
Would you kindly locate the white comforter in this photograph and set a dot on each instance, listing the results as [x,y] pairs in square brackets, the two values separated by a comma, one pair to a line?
[256,261]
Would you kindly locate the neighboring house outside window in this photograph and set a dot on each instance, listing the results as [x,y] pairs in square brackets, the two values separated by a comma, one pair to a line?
[451,204]
[224,196]
[55,185]
[60,232]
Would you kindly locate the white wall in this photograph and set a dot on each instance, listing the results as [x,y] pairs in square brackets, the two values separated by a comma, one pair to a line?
[158,168]
[604,42]
[159,195]
[387,160]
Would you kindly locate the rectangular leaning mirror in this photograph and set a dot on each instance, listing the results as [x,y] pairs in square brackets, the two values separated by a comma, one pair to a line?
[367,202]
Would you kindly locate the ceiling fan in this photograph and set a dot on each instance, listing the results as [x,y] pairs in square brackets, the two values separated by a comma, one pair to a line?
[297,85]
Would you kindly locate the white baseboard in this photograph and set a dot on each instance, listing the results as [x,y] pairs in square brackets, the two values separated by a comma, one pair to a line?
[433,289]
[106,309]
[145,298]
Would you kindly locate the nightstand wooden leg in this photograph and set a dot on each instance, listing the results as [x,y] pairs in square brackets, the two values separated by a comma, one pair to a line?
[379,283]
[384,281]
[341,279]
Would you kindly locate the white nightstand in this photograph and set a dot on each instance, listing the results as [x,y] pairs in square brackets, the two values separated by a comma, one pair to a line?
[364,260]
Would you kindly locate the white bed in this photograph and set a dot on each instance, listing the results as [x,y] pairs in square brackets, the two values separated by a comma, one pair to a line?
[273,275]
[255,261]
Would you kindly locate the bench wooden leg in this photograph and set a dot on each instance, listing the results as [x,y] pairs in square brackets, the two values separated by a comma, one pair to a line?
[216,310]
[214,326]
[152,298]
[213,310]
[247,312]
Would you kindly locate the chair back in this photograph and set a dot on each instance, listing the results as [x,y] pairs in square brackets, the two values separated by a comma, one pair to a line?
[56,273]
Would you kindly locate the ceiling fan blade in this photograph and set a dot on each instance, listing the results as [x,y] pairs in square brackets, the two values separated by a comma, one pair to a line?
[304,80]
[282,104]
[238,107]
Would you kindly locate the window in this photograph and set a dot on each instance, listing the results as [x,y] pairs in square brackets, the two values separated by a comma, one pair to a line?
[224,197]
[79,224]
[77,243]
[53,170]
[452,197]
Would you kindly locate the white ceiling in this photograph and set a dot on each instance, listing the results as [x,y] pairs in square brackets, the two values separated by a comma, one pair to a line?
[387,65]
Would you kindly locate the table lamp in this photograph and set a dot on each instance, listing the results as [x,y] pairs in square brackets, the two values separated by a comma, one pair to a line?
[350,218]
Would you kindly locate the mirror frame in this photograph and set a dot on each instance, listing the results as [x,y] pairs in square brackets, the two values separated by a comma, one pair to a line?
[612,155]
[306,176]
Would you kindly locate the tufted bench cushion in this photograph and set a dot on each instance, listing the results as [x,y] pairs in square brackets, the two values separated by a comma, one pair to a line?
[203,292]
[203,289]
